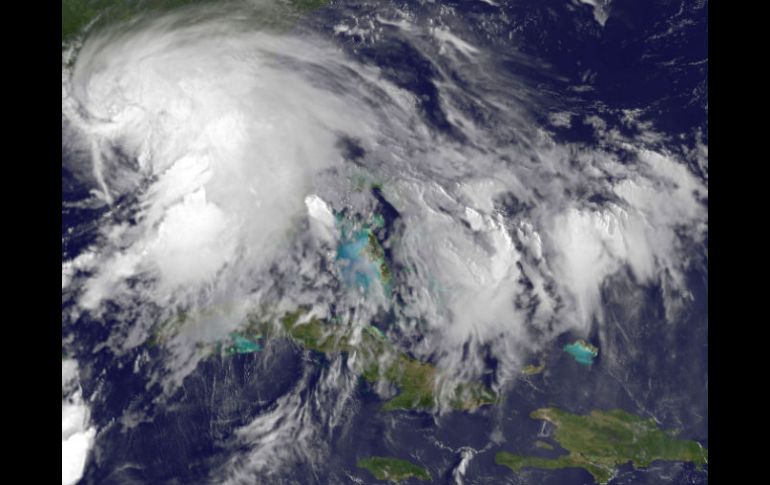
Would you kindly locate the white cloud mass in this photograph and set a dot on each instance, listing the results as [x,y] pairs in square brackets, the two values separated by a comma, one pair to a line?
[77,436]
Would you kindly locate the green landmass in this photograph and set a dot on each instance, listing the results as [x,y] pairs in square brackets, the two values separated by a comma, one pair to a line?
[603,440]
[530,370]
[378,360]
[392,469]
[77,15]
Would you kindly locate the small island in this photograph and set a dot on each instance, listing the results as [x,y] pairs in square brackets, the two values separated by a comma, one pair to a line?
[543,445]
[531,370]
[604,440]
[392,469]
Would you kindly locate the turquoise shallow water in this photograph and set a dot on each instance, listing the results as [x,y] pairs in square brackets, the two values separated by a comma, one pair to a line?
[358,269]
[242,345]
[581,353]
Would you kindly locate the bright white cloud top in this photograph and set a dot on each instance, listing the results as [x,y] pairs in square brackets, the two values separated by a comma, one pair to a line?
[77,436]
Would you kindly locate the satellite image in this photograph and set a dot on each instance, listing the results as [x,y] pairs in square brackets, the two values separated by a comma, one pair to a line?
[374,241]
